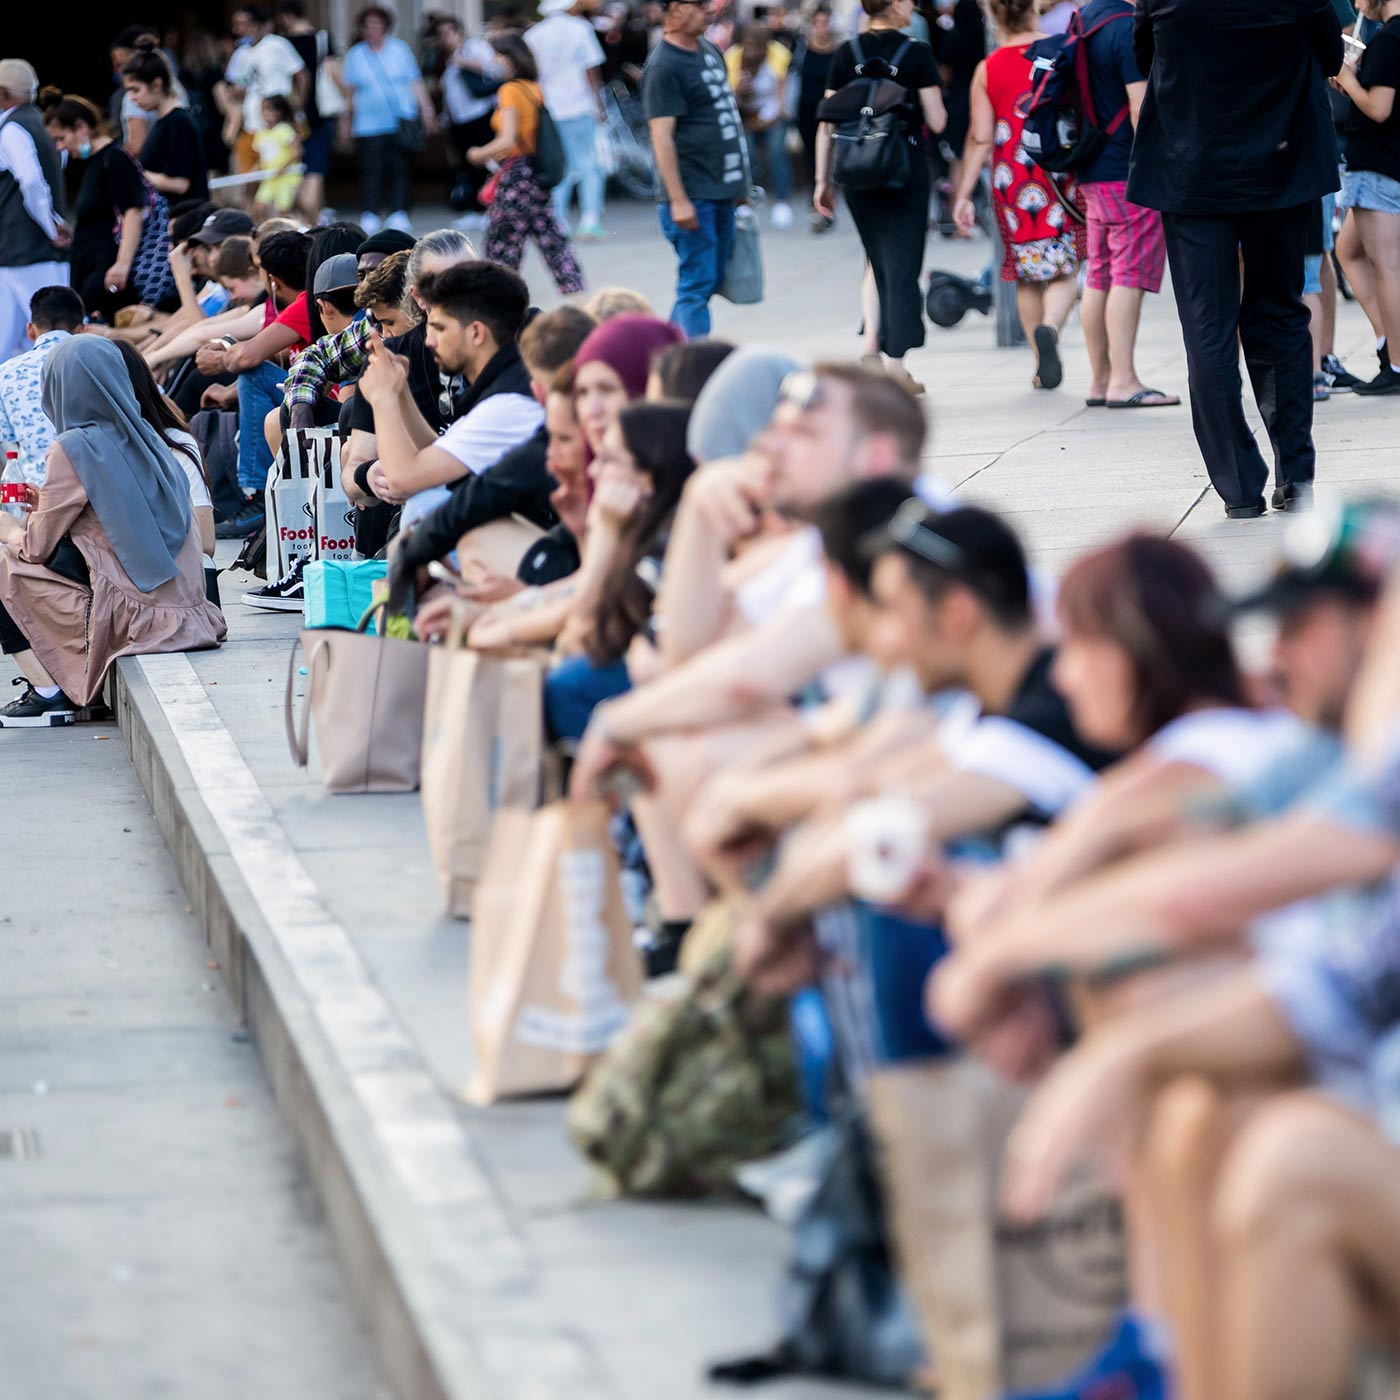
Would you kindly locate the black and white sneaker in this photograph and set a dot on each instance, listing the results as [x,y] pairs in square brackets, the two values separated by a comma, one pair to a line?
[33,711]
[286,595]
[1339,379]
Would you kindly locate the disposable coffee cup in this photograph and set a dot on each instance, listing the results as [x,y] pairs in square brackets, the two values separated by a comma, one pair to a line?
[886,839]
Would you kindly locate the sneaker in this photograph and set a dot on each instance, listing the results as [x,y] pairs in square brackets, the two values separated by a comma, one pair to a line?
[1386,382]
[1322,387]
[371,223]
[286,595]
[243,524]
[470,223]
[1339,379]
[32,711]
[400,221]
[781,216]
[326,217]
[591,233]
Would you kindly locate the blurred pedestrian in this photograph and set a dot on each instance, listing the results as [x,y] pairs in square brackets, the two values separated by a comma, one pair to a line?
[758,68]
[172,154]
[322,103]
[807,84]
[469,83]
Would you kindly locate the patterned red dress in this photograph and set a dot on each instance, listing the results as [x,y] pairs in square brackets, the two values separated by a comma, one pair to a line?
[1042,239]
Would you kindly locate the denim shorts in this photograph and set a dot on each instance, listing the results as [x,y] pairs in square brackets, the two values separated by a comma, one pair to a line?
[1369,189]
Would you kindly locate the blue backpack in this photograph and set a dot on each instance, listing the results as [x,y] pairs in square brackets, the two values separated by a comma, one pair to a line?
[1062,130]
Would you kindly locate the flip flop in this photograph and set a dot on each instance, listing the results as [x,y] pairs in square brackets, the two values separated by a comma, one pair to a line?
[1145,398]
[1095,403]
[1049,372]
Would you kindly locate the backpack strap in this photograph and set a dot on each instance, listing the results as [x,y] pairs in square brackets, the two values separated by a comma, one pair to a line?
[858,54]
[1081,64]
[899,55]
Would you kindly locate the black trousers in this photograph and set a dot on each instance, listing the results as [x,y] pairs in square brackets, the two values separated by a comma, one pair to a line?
[465,135]
[1268,318]
[893,227]
[386,174]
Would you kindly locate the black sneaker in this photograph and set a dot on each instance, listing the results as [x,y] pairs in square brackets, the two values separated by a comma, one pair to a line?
[286,595]
[1386,382]
[244,523]
[32,711]
[1339,379]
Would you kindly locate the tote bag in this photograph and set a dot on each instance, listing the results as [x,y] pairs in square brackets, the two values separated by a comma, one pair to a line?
[366,695]
[553,971]
[743,278]
[483,749]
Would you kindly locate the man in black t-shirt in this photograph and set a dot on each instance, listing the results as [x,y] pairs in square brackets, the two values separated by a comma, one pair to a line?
[697,138]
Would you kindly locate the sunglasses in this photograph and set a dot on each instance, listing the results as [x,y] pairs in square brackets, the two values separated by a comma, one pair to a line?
[802,389]
[910,529]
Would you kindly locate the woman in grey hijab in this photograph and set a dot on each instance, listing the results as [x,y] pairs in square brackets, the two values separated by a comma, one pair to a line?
[106,563]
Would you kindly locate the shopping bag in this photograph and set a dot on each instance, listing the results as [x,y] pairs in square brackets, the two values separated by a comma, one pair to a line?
[483,749]
[291,527]
[743,278]
[553,969]
[332,515]
[1004,1307]
[337,594]
[366,694]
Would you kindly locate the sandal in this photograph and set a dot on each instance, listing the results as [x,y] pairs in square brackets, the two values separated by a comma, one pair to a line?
[1145,398]
[1049,372]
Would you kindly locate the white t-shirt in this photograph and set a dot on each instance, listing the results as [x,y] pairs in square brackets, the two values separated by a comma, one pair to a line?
[478,440]
[461,106]
[1233,744]
[264,69]
[565,48]
[199,490]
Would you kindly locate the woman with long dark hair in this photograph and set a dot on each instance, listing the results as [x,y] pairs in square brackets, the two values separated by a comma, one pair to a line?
[521,207]
[638,476]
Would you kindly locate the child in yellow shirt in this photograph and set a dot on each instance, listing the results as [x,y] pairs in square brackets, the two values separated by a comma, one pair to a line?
[279,149]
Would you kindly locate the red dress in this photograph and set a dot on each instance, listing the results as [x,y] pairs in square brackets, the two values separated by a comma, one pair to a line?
[1042,239]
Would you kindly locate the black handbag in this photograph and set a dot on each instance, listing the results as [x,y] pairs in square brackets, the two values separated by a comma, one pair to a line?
[872,148]
[413,135]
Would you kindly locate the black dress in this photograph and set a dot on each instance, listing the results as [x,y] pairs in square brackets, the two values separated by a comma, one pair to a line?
[109,183]
[893,224]
[813,70]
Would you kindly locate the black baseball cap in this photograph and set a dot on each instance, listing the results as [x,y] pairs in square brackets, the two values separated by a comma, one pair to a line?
[1342,551]
[222,224]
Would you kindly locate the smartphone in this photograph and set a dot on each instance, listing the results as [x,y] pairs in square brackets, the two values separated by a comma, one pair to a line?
[440,573]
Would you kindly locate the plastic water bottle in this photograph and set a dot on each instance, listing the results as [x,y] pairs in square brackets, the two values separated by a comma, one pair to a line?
[12,474]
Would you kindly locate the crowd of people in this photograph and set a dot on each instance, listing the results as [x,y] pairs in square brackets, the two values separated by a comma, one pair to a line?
[1059,830]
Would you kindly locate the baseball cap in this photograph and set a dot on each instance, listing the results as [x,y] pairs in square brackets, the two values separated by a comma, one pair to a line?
[387,241]
[336,273]
[222,224]
[18,76]
[1345,550]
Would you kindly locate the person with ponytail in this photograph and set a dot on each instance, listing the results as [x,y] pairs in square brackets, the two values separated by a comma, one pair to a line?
[172,153]
[110,191]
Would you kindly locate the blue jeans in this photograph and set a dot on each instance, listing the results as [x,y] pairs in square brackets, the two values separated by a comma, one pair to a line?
[573,690]
[257,394]
[581,169]
[768,153]
[702,255]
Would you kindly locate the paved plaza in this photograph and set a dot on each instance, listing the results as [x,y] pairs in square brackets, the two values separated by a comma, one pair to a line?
[470,1248]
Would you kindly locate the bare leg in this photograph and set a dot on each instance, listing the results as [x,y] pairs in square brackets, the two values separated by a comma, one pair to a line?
[1060,296]
[1093,316]
[311,197]
[1329,306]
[1360,274]
[33,669]
[1380,236]
[1030,307]
[1307,1209]
[1124,313]
[272,430]
[1314,301]
[870,311]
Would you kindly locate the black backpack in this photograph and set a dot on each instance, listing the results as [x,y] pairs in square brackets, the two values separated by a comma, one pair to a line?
[1061,130]
[871,120]
[549,158]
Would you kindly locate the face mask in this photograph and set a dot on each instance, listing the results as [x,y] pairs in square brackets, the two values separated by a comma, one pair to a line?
[84,149]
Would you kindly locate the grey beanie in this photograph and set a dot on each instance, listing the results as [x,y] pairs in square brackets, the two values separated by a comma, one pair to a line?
[737,402]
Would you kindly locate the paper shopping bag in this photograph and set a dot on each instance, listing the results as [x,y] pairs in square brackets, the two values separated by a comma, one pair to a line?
[332,515]
[553,969]
[1003,1307]
[483,749]
[291,528]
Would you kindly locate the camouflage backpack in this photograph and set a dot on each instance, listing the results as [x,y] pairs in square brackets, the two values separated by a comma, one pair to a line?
[694,1087]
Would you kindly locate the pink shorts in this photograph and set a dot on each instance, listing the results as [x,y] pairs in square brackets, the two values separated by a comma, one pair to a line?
[1126,247]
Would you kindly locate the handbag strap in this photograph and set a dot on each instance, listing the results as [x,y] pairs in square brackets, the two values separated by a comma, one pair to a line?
[381,78]
[298,729]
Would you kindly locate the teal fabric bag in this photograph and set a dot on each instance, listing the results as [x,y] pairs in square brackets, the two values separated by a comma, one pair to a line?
[338,593]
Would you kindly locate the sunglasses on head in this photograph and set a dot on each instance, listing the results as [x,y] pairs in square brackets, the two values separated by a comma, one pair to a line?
[911,528]
[802,389]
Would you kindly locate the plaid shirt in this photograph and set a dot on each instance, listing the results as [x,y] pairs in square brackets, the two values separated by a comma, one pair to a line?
[334,359]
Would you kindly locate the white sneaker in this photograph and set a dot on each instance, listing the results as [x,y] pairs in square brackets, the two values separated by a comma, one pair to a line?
[470,223]
[371,223]
[325,217]
[399,220]
[781,217]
